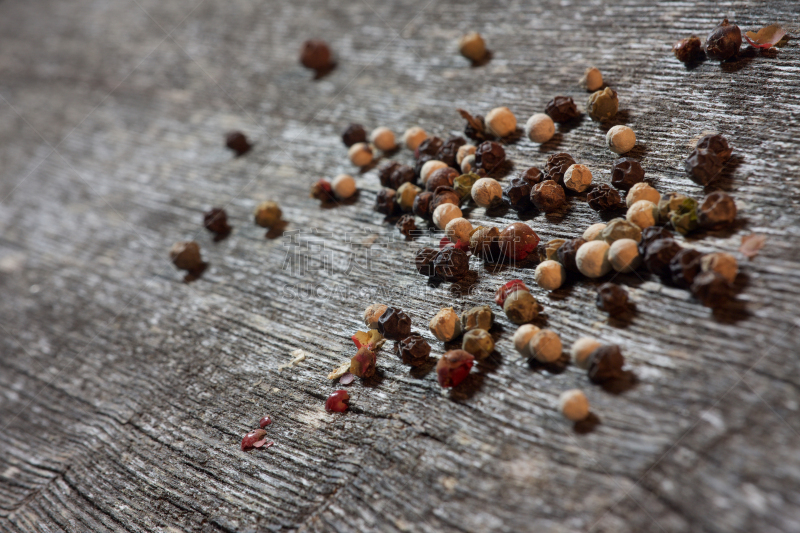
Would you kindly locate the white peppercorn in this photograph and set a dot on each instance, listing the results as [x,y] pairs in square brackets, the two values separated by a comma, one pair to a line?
[721,263]
[343,186]
[406,195]
[522,338]
[573,405]
[620,139]
[429,168]
[623,254]
[592,259]
[545,346]
[458,230]
[582,349]
[487,192]
[593,231]
[468,164]
[463,151]
[383,139]
[472,46]
[642,191]
[577,178]
[592,79]
[501,121]
[549,275]
[372,314]
[445,325]
[643,213]
[540,128]
[521,307]
[444,214]
[360,154]
[413,137]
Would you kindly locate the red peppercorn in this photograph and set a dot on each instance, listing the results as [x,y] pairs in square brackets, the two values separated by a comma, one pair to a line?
[506,289]
[454,367]
[254,439]
[363,363]
[337,402]
[518,240]
[323,191]
[265,421]
[724,41]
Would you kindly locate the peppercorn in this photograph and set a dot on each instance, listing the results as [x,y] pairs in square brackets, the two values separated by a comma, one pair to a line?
[337,402]
[472,46]
[626,173]
[620,139]
[712,289]
[582,349]
[268,214]
[592,259]
[454,367]
[458,230]
[658,255]
[265,421]
[463,184]
[429,146]
[484,242]
[360,154]
[423,261]
[721,263]
[420,164]
[444,195]
[562,109]
[567,253]
[612,299]
[354,133]
[406,225]
[593,232]
[445,325]
[385,173]
[604,198]
[477,317]
[487,192]
[573,405]
[489,155]
[549,275]
[448,153]
[323,191]
[450,264]
[442,177]
[605,364]
[478,342]
[394,324]
[186,256]
[383,139]
[557,165]
[238,143]
[422,205]
[444,213]
[651,235]
[414,350]
[545,346]
[315,55]
[592,79]
[405,196]
[685,266]
[468,164]
[548,251]
[413,137]
[343,186]
[505,290]
[518,191]
[702,165]
[500,122]
[688,49]
[372,314]
[363,363]
[717,144]
[717,211]
[577,178]
[520,306]
[216,221]
[623,255]
[463,151]
[669,204]
[384,201]
[602,105]
[540,128]
[643,213]
[642,191]
[684,218]
[401,174]
[522,338]
[548,196]
[724,41]
[518,240]
[619,228]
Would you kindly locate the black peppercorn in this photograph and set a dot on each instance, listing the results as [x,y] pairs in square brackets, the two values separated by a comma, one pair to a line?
[394,324]
[476,127]
[659,254]
[385,202]
[557,165]
[626,173]
[315,55]
[444,177]
[605,364]
[567,252]
[423,260]
[385,173]
[422,205]
[604,198]
[712,289]
[685,266]
[562,109]
[518,194]
[401,174]
[449,150]
[651,235]
[717,210]
[354,133]
[724,41]
[216,221]
[237,142]
[444,195]
[688,50]
[429,147]
[717,144]
[450,263]
[489,155]
[702,165]
[414,350]
[406,225]
[548,196]
[612,299]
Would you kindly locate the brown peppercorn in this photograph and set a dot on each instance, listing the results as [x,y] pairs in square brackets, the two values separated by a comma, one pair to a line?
[414,350]
[685,266]
[604,198]
[567,253]
[476,128]
[422,205]
[401,174]
[429,147]
[712,289]
[688,49]
[450,264]
[484,242]
[406,225]
[315,54]
[548,196]
[717,144]
[612,299]
[605,364]
[724,41]
[658,256]
[562,109]
[449,150]
[385,202]
[557,165]
[354,133]
[717,210]
[444,195]
[423,260]
[703,165]
[444,177]
[323,191]
[518,192]
[489,156]
[385,172]
[186,256]
[216,221]
[651,235]
[626,173]
[237,141]
[394,324]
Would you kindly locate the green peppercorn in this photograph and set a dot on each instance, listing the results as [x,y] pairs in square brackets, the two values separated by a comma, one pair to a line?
[480,317]
[603,105]
[521,307]
[684,218]
[669,203]
[478,342]
[463,185]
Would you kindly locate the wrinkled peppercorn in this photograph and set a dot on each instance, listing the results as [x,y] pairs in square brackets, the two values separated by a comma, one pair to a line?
[612,299]
[237,142]
[422,205]
[651,235]
[602,105]
[449,150]
[566,254]
[517,241]
[400,175]
[712,289]
[423,260]
[557,165]
[414,350]
[385,202]
[605,364]
[485,243]
[685,266]
[429,147]
[315,55]
[354,133]
[450,264]
[604,198]
[626,173]
[444,177]
[489,155]
[517,194]
[562,109]
[684,217]
[717,144]
[548,196]
[658,256]
[688,50]
[216,221]
[454,367]
[505,290]
[385,172]
[406,225]
[724,41]
[394,324]
[476,129]
[362,364]
[702,165]
[717,210]
[322,190]
[444,195]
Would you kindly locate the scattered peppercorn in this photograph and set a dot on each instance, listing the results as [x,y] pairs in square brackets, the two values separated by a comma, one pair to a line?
[643,214]
[573,405]
[540,128]
[592,259]
[430,147]
[472,46]
[518,240]
[458,230]
[414,350]
[658,256]
[550,275]
[265,421]
[346,379]
[669,204]
[507,288]
[401,174]
[620,228]
[582,349]
[688,49]
[363,363]
[702,165]
[343,186]
[360,154]
[602,105]
[500,122]
[520,306]
[487,192]
[478,342]
[463,184]
[450,264]
[724,41]
[623,254]
[522,338]
[577,178]
[477,317]
[448,153]
[545,346]
[216,221]
[642,191]
[420,165]
[422,205]
[268,214]
[651,235]
[405,195]
[354,133]
[518,192]
[337,402]
[593,232]
[721,263]
[626,173]
[562,109]
[620,139]
[717,144]
[254,439]
[489,155]
[464,151]
[548,196]
[604,198]
[684,218]
[323,191]
[315,55]
[454,367]
[385,173]
[684,266]
[394,324]
[592,79]
[186,256]
[557,165]
[612,299]
[712,289]
[385,201]
[567,253]
[444,213]
[238,143]
[548,251]
[484,242]
[445,325]
[373,314]
[444,195]
[406,225]
[605,364]
[413,137]
[383,139]
[443,177]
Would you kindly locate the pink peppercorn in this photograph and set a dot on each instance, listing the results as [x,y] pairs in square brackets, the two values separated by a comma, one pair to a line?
[254,439]
[505,290]
[454,367]
[264,422]
[337,402]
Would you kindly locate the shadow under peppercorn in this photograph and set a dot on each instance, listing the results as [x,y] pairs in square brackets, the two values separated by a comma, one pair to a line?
[587,425]
[724,180]
[554,367]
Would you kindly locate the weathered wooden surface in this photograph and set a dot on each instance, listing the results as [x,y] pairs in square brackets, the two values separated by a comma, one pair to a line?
[124,392]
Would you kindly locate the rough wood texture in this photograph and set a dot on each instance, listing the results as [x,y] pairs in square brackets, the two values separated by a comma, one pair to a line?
[124,392]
